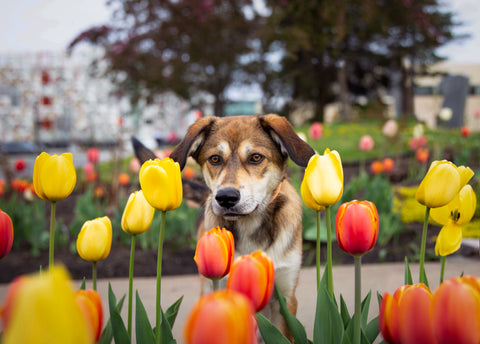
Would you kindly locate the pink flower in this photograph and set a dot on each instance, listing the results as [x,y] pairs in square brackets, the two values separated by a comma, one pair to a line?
[316,131]
[93,154]
[134,165]
[20,164]
[366,143]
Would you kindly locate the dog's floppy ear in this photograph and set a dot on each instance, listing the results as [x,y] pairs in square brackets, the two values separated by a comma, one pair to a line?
[193,140]
[141,152]
[283,134]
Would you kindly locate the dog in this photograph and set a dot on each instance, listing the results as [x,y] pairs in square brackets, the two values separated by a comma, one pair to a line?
[244,161]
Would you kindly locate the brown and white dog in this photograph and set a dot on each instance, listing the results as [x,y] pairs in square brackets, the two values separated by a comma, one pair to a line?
[244,164]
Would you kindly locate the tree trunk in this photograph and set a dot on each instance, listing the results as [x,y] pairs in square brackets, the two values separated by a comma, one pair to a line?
[345,109]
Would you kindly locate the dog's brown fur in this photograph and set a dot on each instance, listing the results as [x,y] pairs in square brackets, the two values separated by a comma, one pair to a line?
[244,164]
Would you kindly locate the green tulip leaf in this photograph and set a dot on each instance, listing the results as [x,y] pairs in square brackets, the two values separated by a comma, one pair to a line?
[143,328]
[172,311]
[328,326]
[166,336]
[372,331]
[120,333]
[82,286]
[270,334]
[295,326]
[344,312]
[408,273]
[107,334]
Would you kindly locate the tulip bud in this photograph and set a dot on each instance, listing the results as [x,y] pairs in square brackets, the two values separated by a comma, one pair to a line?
[322,184]
[376,167]
[6,234]
[137,215]
[93,154]
[161,183]
[54,177]
[366,143]
[356,227]
[214,253]
[456,311]
[253,275]
[221,317]
[440,185]
[90,304]
[95,239]
[388,164]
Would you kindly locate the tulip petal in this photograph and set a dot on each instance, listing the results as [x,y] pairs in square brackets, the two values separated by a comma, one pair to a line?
[449,239]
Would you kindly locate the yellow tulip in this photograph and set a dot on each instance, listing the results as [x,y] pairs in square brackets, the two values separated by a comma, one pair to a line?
[322,184]
[161,183]
[95,239]
[441,184]
[456,213]
[138,214]
[45,311]
[54,177]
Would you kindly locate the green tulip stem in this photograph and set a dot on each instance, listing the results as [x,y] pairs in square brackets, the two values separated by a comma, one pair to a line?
[424,244]
[318,249]
[94,275]
[52,234]
[329,251]
[159,275]
[442,270]
[358,299]
[130,286]
[216,285]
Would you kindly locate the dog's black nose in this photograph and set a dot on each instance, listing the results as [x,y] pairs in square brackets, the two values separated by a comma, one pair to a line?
[227,197]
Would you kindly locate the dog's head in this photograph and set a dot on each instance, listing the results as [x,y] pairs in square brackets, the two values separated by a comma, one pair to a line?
[243,159]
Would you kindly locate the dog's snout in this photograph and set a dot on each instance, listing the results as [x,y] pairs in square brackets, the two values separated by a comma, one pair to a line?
[227,197]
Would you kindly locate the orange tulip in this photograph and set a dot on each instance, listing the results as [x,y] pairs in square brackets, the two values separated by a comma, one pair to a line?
[214,253]
[6,234]
[422,154]
[414,315]
[223,316]
[388,164]
[376,167]
[253,275]
[456,311]
[6,309]
[90,304]
[123,179]
[356,227]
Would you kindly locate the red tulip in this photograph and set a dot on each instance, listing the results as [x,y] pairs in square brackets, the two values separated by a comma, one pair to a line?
[357,227]
[316,131]
[456,311]
[223,316]
[253,275]
[93,155]
[415,317]
[376,167]
[90,303]
[214,253]
[6,309]
[6,234]
[388,322]
[20,164]
[465,131]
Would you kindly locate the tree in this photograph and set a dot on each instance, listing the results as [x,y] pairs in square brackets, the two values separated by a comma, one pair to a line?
[184,46]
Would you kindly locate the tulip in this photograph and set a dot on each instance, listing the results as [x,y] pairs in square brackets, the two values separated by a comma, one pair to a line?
[44,311]
[456,311]
[94,242]
[214,253]
[388,321]
[54,176]
[134,165]
[445,114]
[465,131]
[123,179]
[357,227]
[161,183]
[442,183]
[6,234]
[7,307]
[390,128]
[414,315]
[20,164]
[93,154]
[136,219]
[90,304]
[376,167]
[221,317]
[253,275]
[316,131]
[422,154]
[388,164]
[137,215]
[366,143]
[322,184]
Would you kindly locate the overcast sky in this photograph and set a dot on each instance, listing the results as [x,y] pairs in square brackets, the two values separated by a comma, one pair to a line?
[44,25]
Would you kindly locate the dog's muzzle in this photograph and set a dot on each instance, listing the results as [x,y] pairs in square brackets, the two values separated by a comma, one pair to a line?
[227,197]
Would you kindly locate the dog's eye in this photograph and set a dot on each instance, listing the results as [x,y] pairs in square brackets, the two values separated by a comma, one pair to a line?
[255,158]
[215,159]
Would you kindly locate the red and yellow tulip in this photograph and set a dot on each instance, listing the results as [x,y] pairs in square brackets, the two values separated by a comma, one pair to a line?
[221,317]
[254,276]
[356,227]
[90,304]
[214,253]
